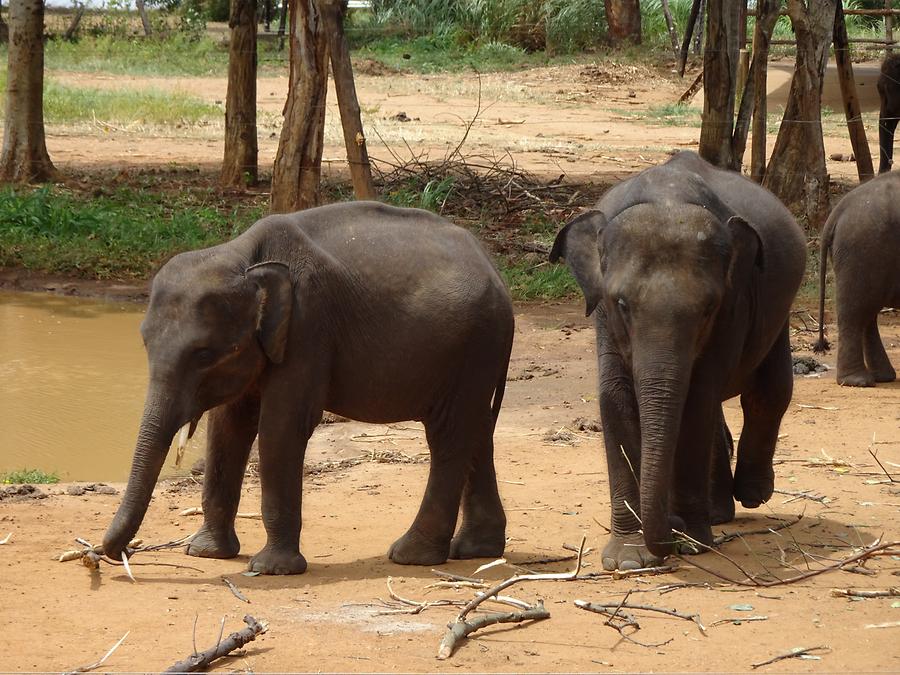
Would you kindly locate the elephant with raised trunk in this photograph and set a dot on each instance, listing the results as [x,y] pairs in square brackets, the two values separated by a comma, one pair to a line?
[375,313]
[690,271]
[862,234]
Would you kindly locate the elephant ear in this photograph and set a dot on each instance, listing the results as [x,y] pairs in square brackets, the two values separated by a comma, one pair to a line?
[577,243]
[275,292]
[747,244]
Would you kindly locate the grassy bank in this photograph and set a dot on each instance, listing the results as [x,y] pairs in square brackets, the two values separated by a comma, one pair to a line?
[126,231]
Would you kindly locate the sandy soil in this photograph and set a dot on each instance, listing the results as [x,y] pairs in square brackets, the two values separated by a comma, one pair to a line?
[579,120]
[60,615]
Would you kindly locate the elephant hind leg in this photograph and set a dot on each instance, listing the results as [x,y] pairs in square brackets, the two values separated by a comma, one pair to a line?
[483,530]
[453,432]
[876,357]
[764,403]
[231,429]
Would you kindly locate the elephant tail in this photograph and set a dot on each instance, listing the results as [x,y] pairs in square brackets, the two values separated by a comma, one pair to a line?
[499,390]
[822,345]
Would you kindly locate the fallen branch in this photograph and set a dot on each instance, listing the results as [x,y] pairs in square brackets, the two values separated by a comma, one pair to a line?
[97,664]
[874,454]
[196,662]
[851,593]
[619,621]
[605,608]
[198,511]
[795,653]
[461,628]
[722,538]
[235,591]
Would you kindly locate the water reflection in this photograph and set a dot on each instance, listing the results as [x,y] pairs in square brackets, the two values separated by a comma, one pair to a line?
[73,374]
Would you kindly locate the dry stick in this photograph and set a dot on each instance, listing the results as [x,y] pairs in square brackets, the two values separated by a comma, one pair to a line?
[196,662]
[461,628]
[851,593]
[722,538]
[875,457]
[97,664]
[602,608]
[795,653]
[235,590]
[627,621]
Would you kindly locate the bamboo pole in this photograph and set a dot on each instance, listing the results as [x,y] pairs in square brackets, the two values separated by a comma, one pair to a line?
[855,127]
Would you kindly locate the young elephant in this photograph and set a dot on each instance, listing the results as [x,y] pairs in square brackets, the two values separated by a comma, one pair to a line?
[863,235]
[690,271]
[889,94]
[375,313]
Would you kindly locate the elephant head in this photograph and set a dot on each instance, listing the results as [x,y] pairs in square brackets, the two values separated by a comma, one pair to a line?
[212,326]
[660,274]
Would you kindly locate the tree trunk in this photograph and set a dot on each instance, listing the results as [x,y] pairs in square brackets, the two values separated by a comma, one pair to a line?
[24,156]
[240,166]
[796,172]
[624,20]
[298,163]
[670,25]
[4,29]
[145,19]
[720,62]
[766,17]
[72,30]
[698,28]
[852,112]
[354,139]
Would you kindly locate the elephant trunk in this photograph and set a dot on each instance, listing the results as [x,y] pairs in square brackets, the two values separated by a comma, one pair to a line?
[158,426]
[662,380]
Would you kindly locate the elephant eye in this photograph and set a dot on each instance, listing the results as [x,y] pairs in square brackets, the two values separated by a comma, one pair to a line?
[204,356]
[623,306]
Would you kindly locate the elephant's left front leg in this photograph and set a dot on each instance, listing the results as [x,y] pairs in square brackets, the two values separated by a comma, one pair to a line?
[283,435]
[231,429]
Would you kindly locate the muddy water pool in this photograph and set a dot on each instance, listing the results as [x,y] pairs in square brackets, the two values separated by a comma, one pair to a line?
[73,374]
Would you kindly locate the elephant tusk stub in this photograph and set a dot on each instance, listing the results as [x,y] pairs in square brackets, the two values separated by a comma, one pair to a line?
[183,435]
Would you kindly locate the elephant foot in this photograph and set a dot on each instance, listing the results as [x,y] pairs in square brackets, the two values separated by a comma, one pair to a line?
[415,549]
[471,544]
[721,510]
[208,543]
[753,486]
[628,552]
[858,379]
[885,375]
[278,561]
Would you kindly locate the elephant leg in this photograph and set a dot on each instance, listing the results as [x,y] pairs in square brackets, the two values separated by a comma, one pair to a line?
[283,435]
[622,439]
[764,402]
[230,432]
[721,487]
[852,323]
[483,530]
[453,433]
[887,125]
[876,357]
[691,473]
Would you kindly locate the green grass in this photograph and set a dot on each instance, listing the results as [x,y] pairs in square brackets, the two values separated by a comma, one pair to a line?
[669,114]
[537,281]
[122,233]
[33,476]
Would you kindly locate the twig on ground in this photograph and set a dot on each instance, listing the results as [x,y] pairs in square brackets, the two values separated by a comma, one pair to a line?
[795,653]
[886,624]
[624,574]
[878,461]
[806,406]
[853,593]
[603,608]
[462,627]
[236,640]
[722,538]
[619,620]
[803,494]
[738,620]
[198,511]
[97,664]
[235,591]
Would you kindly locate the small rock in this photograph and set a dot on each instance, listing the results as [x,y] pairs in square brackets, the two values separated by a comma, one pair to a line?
[75,490]
[105,490]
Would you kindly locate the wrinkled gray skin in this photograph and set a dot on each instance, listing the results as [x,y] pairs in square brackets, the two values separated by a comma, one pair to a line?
[889,94]
[862,234]
[375,313]
[690,271]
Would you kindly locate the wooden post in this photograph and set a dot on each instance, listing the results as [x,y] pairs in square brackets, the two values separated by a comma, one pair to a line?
[240,166]
[344,87]
[766,17]
[743,55]
[888,28]
[719,75]
[858,140]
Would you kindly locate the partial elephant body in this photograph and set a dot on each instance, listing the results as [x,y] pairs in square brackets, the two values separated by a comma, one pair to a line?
[692,271]
[862,234]
[889,94]
[375,313]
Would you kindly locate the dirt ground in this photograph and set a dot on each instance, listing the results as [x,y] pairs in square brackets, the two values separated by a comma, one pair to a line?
[578,120]
[335,618]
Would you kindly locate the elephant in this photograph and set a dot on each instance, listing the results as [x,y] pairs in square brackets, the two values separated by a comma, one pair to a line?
[889,94]
[690,272]
[375,313]
[862,234]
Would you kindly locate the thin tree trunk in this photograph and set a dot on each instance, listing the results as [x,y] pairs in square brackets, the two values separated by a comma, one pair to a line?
[765,23]
[670,24]
[796,172]
[720,61]
[298,163]
[72,30]
[852,112]
[145,19]
[282,21]
[240,166]
[623,18]
[698,28]
[341,69]
[24,156]
[4,29]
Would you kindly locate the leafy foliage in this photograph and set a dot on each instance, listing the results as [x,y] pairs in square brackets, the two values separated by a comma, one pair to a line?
[32,476]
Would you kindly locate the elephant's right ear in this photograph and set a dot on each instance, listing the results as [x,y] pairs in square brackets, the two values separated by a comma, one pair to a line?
[273,281]
[577,242]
